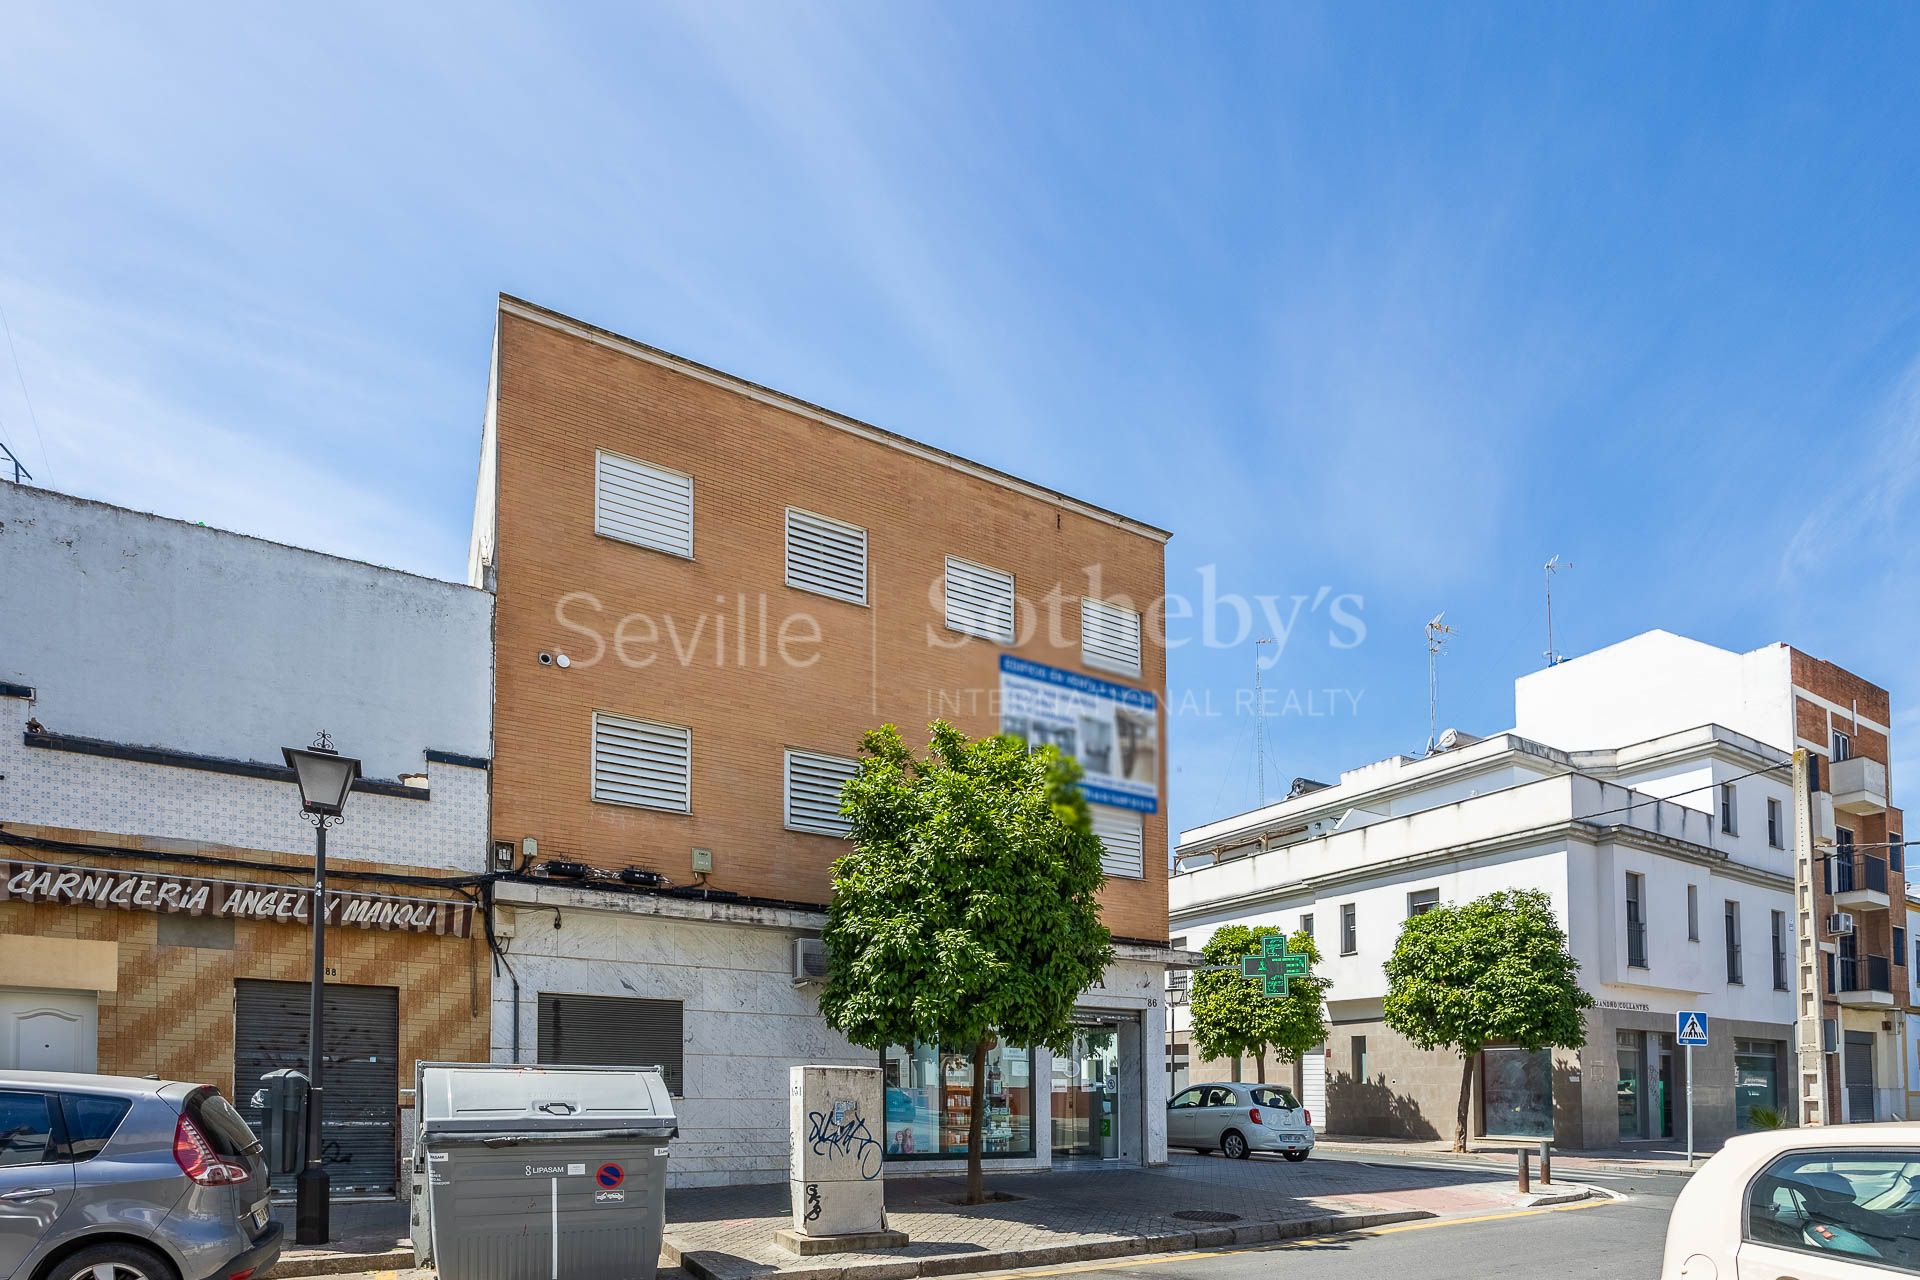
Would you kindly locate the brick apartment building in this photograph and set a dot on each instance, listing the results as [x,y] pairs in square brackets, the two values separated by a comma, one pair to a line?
[706,591]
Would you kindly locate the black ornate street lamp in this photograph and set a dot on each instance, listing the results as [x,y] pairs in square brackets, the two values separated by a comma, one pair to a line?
[325,777]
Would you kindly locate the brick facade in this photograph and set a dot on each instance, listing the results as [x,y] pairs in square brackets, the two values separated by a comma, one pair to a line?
[701,644]
[1827,698]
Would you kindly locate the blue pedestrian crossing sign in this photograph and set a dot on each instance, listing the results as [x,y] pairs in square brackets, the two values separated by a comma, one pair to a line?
[1690,1028]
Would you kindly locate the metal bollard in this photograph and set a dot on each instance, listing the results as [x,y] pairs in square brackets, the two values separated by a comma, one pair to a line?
[1546,1164]
[1526,1183]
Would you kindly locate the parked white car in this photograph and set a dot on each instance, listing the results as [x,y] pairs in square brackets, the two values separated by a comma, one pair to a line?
[1239,1119]
[1834,1203]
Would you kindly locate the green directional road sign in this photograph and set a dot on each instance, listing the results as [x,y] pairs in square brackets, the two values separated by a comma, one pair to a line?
[1274,965]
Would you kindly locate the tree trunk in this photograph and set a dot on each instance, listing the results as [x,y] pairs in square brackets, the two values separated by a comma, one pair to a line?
[1466,1095]
[1236,1067]
[1260,1065]
[976,1126]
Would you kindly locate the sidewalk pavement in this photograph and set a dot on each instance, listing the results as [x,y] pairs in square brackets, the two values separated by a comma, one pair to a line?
[1499,1154]
[1196,1202]
[368,1235]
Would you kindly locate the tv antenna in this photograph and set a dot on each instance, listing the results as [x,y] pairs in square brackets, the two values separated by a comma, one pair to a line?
[1437,633]
[1260,721]
[1553,566]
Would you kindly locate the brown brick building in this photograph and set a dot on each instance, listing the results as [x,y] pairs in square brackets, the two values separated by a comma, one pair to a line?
[706,592]
[1860,911]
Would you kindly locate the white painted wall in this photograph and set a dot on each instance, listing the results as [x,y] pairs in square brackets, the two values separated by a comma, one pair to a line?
[1652,684]
[154,632]
[746,1024]
[1594,831]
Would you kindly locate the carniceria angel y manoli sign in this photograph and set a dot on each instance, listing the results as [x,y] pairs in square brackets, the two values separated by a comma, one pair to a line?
[227,899]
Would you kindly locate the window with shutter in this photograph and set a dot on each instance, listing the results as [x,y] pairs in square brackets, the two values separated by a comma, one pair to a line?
[641,763]
[826,556]
[613,1031]
[813,792]
[1109,637]
[1122,843]
[979,600]
[646,505]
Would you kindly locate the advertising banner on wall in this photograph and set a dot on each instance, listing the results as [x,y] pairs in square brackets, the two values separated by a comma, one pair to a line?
[1111,729]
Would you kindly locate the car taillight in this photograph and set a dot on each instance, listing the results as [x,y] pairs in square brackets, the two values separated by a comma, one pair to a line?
[1254,1115]
[199,1161]
[1307,1116]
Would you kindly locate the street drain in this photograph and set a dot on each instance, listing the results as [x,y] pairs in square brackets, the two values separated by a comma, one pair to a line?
[1205,1215]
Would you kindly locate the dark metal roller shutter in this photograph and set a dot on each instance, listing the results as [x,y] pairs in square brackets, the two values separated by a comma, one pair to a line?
[361,1053]
[614,1031]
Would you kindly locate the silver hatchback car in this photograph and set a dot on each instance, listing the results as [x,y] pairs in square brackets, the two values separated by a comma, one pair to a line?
[112,1178]
[1240,1119]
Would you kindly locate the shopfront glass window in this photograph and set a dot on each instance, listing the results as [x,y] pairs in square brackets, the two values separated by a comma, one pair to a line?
[930,1100]
[1756,1080]
[1517,1092]
[1086,1095]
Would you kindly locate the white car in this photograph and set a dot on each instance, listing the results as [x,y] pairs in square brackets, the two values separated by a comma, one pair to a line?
[1240,1119]
[1835,1203]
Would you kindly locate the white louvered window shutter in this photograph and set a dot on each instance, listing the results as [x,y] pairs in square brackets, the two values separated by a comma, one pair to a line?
[1122,841]
[813,792]
[1109,637]
[646,505]
[639,762]
[826,556]
[979,600]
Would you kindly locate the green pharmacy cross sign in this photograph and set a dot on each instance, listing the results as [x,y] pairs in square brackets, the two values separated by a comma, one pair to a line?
[1275,964]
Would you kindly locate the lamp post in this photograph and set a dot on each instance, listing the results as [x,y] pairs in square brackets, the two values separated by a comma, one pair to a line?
[325,776]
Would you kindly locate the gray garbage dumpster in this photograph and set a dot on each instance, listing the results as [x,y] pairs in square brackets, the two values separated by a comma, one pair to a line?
[543,1173]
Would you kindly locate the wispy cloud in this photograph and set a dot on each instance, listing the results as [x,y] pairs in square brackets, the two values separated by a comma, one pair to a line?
[1871,503]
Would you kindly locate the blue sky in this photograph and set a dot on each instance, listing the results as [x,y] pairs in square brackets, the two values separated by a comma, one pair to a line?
[1391,301]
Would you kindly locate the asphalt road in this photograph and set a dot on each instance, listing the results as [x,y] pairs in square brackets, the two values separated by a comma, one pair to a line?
[1617,1239]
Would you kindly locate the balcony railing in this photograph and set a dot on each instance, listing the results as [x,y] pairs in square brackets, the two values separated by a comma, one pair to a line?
[1862,973]
[1636,944]
[1860,871]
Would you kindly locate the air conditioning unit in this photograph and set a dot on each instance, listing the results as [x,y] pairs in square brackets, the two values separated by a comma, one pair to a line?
[1840,923]
[809,961]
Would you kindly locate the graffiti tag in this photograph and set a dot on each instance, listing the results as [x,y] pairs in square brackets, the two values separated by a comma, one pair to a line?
[813,1202]
[840,1131]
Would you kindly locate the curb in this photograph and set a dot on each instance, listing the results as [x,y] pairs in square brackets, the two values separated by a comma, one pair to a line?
[1573,1194]
[704,1264]
[288,1266]
[1496,1160]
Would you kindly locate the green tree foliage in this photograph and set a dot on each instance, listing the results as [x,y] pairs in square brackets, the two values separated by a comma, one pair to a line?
[1232,1015]
[967,907]
[1494,971]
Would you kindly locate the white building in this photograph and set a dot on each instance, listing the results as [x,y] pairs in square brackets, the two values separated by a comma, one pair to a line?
[1663,910]
[152,852]
[1659,824]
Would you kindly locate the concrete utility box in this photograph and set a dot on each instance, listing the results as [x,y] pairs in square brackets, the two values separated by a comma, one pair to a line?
[543,1173]
[839,1197]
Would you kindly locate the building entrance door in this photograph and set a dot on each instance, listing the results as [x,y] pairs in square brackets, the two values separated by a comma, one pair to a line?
[362,1049]
[1665,1084]
[1630,1085]
[1860,1077]
[1645,1085]
[1086,1096]
[48,1030]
